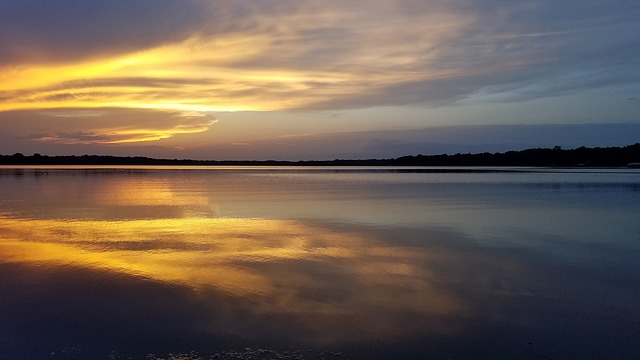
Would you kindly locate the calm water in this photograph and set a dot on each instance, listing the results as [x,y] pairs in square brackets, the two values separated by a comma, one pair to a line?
[319,263]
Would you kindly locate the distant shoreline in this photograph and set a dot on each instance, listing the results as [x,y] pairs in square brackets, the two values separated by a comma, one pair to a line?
[627,156]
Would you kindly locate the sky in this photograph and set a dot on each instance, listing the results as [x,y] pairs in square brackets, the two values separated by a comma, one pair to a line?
[316,79]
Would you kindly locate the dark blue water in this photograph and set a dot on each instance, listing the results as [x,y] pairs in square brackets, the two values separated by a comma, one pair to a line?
[312,263]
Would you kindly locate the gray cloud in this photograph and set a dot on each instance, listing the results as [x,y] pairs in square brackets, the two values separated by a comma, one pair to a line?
[530,50]
[34,31]
[393,52]
[99,126]
[86,88]
[427,141]
[78,137]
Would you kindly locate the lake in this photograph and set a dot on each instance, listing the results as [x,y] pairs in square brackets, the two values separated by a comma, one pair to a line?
[319,263]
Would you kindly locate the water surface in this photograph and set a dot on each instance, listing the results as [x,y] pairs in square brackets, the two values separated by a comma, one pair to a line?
[351,263]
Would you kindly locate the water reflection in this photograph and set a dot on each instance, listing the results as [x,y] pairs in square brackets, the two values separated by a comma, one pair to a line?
[291,267]
[159,262]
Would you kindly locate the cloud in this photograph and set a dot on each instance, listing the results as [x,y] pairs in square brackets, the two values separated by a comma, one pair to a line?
[102,126]
[73,138]
[428,141]
[313,55]
[40,31]
[75,113]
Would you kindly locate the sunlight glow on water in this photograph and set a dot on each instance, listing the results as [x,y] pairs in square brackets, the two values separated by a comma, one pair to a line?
[231,256]
[371,264]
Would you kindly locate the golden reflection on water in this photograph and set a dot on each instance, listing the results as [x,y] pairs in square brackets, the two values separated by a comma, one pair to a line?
[148,192]
[230,259]
[294,267]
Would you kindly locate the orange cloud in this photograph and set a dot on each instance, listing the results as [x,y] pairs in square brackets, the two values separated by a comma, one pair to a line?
[260,56]
[109,126]
[289,67]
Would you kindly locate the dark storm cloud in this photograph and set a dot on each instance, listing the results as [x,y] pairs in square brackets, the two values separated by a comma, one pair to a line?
[35,31]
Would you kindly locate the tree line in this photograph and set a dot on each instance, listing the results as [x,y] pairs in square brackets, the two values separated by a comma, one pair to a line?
[582,156]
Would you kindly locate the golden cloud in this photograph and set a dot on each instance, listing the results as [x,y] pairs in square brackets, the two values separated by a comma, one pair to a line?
[103,125]
[308,58]
[261,56]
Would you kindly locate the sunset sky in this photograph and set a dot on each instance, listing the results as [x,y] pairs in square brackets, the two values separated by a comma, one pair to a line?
[290,80]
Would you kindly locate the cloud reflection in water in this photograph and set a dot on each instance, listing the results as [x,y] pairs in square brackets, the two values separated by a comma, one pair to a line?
[308,274]
[155,261]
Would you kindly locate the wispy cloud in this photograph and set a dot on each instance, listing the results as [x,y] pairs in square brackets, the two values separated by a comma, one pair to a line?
[104,126]
[200,57]
[45,32]
[74,113]
[73,138]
